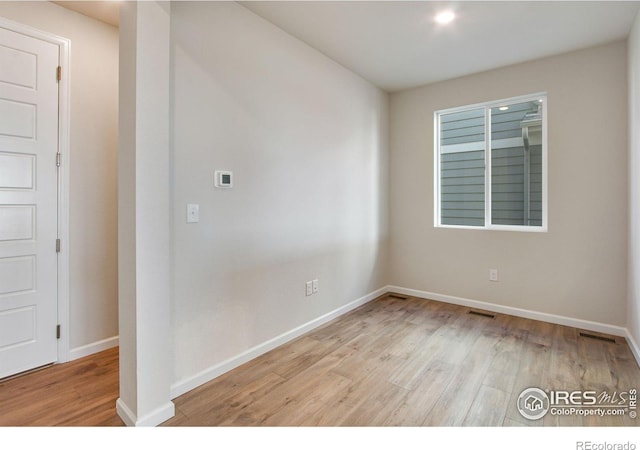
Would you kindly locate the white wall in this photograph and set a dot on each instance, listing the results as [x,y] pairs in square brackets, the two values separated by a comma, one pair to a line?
[306,141]
[94,133]
[579,268]
[633,305]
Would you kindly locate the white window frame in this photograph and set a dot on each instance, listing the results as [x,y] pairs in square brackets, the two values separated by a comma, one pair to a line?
[487,171]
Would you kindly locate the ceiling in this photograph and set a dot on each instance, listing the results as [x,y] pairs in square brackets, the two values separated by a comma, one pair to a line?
[397,45]
[107,11]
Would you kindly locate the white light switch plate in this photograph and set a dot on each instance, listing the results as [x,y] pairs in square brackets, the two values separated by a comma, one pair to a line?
[193,213]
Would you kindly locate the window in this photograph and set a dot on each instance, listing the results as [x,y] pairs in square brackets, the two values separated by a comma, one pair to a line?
[490,165]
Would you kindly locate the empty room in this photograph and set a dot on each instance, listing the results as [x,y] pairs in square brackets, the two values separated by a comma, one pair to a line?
[320,214]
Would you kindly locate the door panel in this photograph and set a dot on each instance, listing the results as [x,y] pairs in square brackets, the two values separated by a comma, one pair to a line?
[17,276]
[17,171]
[20,68]
[17,222]
[28,202]
[18,119]
[17,326]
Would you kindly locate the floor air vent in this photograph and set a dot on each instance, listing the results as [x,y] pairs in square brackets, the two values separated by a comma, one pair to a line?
[483,314]
[401,297]
[595,336]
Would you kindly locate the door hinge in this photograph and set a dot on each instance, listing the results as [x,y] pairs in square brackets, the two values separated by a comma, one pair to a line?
[58,159]
[57,245]
[57,331]
[59,73]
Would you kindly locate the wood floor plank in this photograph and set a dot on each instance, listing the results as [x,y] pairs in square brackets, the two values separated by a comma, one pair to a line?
[452,407]
[593,375]
[564,369]
[453,342]
[409,373]
[488,409]
[420,400]
[375,408]
[503,373]
[227,402]
[245,409]
[314,397]
[541,333]
[534,362]
[180,419]
[342,404]
[78,393]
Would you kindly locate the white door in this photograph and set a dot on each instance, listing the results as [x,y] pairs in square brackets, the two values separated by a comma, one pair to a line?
[28,202]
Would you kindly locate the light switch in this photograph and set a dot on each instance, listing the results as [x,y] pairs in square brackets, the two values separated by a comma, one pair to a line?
[193,213]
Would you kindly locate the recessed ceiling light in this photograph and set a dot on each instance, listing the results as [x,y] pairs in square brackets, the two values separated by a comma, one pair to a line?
[445,17]
[503,108]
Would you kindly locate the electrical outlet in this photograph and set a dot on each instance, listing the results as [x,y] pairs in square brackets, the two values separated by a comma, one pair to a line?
[308,288]
[315,286]
[493,274]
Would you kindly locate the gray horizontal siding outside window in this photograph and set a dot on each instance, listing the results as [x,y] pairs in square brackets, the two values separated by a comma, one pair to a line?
[507,186]
[462,188]
[462,173]
[516,168]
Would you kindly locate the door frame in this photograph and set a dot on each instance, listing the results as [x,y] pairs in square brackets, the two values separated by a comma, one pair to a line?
[64,46]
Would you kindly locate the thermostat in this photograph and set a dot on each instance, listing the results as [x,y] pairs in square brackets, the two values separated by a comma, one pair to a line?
[223,179]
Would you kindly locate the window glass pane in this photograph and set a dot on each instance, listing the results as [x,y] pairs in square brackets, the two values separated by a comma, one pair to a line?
[516,164]
[462,148]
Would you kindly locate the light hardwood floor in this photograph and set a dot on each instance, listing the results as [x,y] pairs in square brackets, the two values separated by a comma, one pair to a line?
[79,393]
[392,362]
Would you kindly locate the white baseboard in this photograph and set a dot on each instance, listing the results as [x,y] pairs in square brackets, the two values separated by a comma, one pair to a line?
[526,313]
[95,347]
[215,371]
[127,416]
[635,349]
[155,417]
